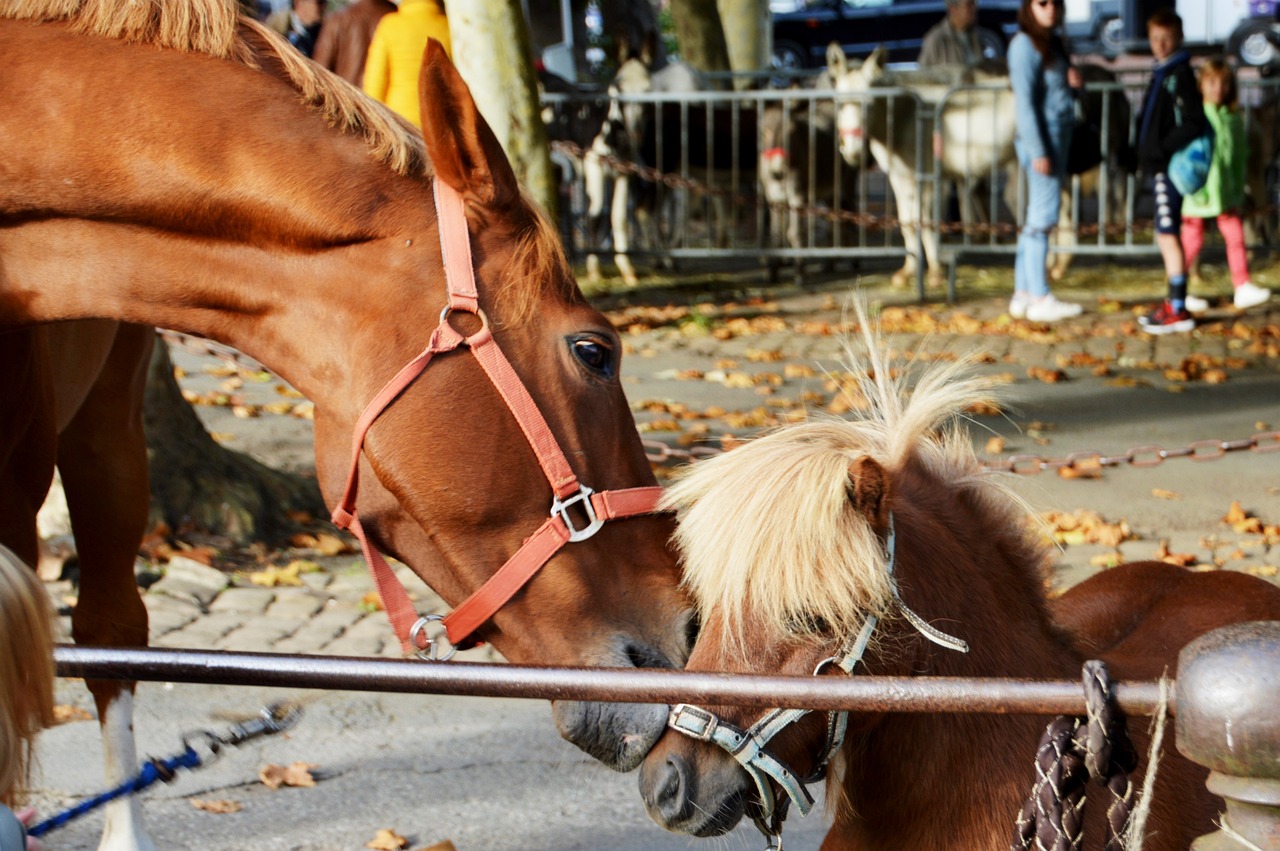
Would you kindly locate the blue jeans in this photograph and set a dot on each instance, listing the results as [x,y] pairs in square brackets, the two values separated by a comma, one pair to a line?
[1044,199]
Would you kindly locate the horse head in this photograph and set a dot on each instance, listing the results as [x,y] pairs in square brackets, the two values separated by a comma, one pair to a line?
[455,512]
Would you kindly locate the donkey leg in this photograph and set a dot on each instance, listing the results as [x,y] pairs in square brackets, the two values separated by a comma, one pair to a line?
[593,178]
[102,457]
[930,237]
[1065,237]
[905,192]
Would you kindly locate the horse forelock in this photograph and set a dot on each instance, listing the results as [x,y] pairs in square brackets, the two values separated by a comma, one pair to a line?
[216,28]
[536,270]
[767,533]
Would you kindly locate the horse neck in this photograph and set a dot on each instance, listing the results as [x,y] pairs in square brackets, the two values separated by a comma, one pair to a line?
[222,206]
[961,570]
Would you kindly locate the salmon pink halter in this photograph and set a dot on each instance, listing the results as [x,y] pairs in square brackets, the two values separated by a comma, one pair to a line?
[559,529]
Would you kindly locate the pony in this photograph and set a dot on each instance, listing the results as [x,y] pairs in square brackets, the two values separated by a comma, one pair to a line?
[975,133]
[800,165]
[177,165]
[881,542]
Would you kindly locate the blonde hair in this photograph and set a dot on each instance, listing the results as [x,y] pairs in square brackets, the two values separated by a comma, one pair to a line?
[26,671]
[1219,69]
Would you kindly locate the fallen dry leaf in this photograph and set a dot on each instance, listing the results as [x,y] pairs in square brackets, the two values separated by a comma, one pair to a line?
[387,840]
[295,774]
[446,845]
[1161,493]
[1180,559]
[1080,472]
[64,714]
[1262,570]
[1048,376]
[217,807]
[371,602]
[1106,560]
[275,577]
[995,446]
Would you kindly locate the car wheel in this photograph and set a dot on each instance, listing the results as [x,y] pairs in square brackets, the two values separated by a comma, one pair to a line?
[991,43]
[790,59]
[1256,43]
[1111,37]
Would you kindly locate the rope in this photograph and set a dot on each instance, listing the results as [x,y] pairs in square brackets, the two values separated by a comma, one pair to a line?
[153,771]
[1136,833]
[1072,752]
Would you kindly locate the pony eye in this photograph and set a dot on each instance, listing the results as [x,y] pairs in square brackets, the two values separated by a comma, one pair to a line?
[807,623]
[595,356]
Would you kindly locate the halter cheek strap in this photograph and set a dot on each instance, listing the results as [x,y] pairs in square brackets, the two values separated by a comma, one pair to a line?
[559,529]
[747,747]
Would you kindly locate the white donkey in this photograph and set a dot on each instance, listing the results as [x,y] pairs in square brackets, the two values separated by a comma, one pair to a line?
[973,137]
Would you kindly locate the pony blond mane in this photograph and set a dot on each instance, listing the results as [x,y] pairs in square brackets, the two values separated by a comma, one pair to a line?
[767,530]
[216,28]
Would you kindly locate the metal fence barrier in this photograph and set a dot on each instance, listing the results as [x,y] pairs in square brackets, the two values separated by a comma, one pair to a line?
[707,189]
[1224,700]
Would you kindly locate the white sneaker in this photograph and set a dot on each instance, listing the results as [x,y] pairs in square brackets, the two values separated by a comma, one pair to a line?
[1195,304]
[1250,295]
[1049,309]
[1018,305]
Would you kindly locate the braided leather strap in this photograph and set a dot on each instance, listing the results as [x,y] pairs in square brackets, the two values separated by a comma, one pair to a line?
[1073,751]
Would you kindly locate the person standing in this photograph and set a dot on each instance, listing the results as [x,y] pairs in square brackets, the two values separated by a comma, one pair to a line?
[300,23]
[344,39]
[957,39]
[1222,195]
[1172,116]
[1041,75]
[395,54]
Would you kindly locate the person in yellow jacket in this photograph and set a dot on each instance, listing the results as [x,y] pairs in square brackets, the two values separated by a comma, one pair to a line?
[395,54]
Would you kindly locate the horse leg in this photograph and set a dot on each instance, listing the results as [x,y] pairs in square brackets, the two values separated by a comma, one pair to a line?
[621,229]
[28,438]
[593,178]
[102,457]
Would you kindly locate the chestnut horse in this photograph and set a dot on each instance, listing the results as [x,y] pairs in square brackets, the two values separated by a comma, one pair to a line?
[173,164]
[799,541]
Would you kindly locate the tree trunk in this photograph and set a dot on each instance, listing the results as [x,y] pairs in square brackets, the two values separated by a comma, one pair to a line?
[492,50]
[196,484]
[748,33]
[701,34]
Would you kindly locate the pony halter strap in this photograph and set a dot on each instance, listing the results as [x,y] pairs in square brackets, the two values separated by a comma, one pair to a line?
[747,747]
[559,529]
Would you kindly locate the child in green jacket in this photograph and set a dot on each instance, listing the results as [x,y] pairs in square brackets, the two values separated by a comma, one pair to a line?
[1223,193]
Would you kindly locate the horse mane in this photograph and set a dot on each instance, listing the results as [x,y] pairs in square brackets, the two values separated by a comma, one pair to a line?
[216,28]
[768,529]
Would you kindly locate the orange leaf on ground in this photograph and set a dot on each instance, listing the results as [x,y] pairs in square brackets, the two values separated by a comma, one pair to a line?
[995,445]
[217,807]
[295,774]
[387,840]
[1161,493]
[1179,559]
[64,714]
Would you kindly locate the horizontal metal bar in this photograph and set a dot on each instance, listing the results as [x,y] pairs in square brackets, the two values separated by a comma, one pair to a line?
[345,673]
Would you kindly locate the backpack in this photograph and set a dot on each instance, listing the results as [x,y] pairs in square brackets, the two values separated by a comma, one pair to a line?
[1189,166]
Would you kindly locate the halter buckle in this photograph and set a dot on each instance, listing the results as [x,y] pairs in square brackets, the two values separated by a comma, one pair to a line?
[694,721]
[560,508]
[430,651]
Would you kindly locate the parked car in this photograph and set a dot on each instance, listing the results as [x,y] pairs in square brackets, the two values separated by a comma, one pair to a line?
[1248,30]
[800,37]
[1095,26]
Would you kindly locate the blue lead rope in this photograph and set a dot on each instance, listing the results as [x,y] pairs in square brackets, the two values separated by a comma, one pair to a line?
[272,719]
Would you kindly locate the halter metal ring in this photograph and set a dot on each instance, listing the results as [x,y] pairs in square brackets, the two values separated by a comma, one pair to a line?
[448,309]
[430,651]
[560,507]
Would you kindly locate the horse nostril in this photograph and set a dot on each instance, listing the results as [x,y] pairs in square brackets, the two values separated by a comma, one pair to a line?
[666,793]
[645,657]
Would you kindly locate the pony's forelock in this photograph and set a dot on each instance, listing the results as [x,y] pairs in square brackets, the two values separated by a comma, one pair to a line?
[767,531]
[216,28]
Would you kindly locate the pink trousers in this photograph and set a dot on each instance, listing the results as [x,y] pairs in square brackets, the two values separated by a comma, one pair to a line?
[1232,230]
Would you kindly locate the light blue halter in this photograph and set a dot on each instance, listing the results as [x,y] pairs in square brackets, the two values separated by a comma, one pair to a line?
[747,747]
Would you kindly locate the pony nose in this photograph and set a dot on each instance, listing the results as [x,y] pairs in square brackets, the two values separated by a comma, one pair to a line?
[664,786]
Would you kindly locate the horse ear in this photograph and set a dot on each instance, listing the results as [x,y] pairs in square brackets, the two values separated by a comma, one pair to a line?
[868,489]
[464,151]
[837,63]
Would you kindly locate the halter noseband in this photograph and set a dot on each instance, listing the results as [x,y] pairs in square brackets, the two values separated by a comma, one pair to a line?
[747,746]
[559,529]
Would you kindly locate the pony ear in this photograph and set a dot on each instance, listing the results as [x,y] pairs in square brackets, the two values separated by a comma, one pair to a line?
[868,489]
[837,63]
[464,151]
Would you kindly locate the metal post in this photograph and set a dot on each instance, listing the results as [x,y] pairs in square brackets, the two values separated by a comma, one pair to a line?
[1227,691]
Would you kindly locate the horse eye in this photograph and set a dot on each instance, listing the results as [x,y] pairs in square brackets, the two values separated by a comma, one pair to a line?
[595,356]
[806,623]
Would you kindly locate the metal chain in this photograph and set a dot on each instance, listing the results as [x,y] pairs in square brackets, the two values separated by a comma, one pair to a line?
[869,221]
[1147,455]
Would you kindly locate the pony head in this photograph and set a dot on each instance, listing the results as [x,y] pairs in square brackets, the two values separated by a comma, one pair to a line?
[788,550]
